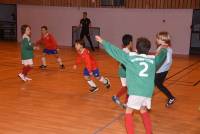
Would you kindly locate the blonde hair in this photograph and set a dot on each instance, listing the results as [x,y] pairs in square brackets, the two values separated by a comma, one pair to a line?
[164,36]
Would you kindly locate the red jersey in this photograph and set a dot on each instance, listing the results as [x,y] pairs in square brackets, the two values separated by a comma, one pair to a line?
[48,41]
[89,61]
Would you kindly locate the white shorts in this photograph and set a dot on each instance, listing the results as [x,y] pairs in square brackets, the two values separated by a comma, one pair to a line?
[136,102]
[27,62]
[123,81]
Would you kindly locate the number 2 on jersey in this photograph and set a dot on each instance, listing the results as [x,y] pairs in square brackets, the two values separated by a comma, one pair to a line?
[144,70]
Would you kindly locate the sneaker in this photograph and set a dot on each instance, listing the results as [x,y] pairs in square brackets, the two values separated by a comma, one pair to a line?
[62,66]
[27,78]
[94,89]
[116,100]
[170,102]
[43,66]
[22,77]
[107,83]
[124,106]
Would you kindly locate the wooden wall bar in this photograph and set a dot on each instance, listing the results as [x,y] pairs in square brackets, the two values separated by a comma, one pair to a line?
[150,4]
[8,1]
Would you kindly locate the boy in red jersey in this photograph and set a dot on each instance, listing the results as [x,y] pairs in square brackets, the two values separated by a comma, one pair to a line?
[91,67]
[51,47]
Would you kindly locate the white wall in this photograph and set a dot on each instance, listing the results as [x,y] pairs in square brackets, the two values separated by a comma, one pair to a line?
[113,23]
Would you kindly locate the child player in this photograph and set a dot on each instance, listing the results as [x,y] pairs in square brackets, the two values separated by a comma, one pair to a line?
[163,39]
[51,47]
[90,66]
[26,52]
[127,40]
[140,73]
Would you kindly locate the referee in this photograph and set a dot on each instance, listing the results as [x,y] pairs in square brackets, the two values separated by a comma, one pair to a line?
[85,23]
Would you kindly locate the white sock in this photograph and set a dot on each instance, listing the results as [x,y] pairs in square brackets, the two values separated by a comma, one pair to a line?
[44,61]
[103,80]
[91,83]
[59,61]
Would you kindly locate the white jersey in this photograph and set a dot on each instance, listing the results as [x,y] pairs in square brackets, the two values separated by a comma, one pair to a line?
[168,62]
[126,50]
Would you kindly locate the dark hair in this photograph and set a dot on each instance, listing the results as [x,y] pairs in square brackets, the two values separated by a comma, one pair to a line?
[143,45]
[85,13]
[126,39]
[44,27]
[81,42]
[23,28]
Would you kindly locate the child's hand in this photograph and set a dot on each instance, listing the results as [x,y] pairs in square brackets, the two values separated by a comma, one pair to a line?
[36,48]
[99,39]
[58,50]
[75,67]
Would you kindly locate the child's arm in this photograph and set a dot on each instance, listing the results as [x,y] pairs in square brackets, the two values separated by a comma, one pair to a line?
[160,57]
[113,51]
[78,61]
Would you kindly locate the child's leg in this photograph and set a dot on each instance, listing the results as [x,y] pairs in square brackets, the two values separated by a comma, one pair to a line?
[123,89]
[59,60]
[89,81]
[146,120]
[129,124]
[43,59]
[102,79]
[159,80]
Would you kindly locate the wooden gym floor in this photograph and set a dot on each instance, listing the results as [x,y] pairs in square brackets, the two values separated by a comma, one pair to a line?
[58,101]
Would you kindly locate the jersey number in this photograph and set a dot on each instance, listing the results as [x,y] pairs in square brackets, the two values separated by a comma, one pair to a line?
[144,70]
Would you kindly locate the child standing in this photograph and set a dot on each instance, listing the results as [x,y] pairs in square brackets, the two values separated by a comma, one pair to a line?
[51,47]
[90,66]
[26,52]
[140,73]
[127,40]
[163,38]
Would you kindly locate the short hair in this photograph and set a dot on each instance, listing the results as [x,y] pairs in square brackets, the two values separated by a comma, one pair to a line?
[85,13]
[164,36]
[81,42]
[126,39]
[23,28]
[44,27]
[143,45]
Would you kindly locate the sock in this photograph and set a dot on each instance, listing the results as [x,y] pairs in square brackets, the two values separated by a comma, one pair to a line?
[147,122]
[44,61]
[122,91]
[129,124]
[28,69]
[103,80]
[59,61]
[24,70]
[91,83]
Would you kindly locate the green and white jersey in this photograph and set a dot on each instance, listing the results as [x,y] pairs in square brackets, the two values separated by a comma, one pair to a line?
[122,70]
[140,69]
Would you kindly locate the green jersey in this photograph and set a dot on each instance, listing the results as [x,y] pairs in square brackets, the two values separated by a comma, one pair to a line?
[140,69]
[26,48]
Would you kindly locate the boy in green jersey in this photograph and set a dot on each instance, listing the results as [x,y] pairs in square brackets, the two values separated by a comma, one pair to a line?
[140,74]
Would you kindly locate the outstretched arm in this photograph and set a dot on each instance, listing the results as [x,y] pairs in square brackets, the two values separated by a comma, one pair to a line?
[114,51]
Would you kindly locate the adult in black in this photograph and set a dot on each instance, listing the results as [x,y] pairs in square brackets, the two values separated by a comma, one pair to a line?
[85,23]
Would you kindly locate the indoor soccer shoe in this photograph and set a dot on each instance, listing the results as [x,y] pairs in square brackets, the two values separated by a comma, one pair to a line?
[93,89]
[27,78]
[43,66]
[22,77]
[62,66]
[170,102]
[116,100]
[107,83]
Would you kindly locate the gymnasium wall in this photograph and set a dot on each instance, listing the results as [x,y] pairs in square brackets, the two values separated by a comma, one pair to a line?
[113,22]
